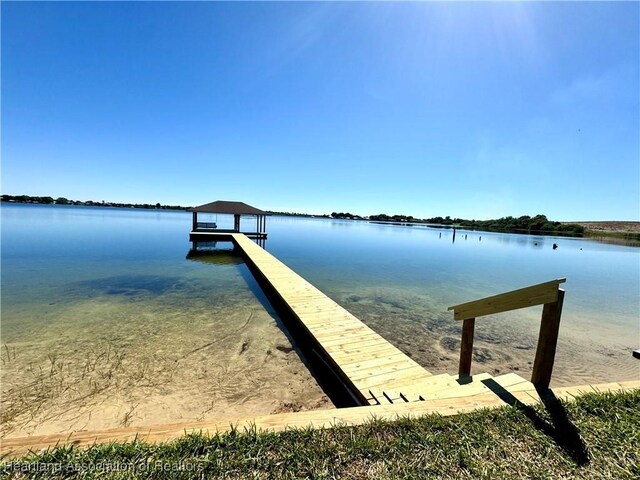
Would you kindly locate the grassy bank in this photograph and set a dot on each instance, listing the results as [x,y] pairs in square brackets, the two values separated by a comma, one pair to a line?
[596,436]
[616,238]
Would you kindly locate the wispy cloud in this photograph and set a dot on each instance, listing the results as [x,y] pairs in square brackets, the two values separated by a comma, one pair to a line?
[619,84]
[298,37]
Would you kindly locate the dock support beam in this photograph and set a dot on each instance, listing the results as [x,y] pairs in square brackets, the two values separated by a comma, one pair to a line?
[194,221]
[547,342]
[466,347]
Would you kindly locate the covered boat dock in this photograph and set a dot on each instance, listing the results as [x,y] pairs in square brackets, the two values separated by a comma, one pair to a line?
[238,210]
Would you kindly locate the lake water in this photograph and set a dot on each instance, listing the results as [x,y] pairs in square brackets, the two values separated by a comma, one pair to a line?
[105,322]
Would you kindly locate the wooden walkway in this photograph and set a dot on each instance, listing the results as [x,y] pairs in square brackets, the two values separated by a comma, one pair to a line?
[365,360]
[374,371]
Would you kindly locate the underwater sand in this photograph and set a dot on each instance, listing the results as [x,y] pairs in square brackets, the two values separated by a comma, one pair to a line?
[132,350]
[422,328]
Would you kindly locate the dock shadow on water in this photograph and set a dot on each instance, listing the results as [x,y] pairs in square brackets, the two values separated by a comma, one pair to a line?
[140,349]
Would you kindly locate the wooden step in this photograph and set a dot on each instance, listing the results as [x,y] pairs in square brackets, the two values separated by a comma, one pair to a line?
[418,391]
[408,390]
[510,382]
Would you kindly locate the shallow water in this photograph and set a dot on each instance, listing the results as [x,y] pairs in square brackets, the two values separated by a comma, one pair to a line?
[400,281]
[105,322]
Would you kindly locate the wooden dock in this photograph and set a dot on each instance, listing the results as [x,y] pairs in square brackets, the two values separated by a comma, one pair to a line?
[374,371]
[363,359]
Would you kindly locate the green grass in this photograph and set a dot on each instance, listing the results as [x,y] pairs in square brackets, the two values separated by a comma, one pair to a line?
[595,436]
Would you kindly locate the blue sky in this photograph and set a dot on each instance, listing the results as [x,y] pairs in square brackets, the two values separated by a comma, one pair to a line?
[469,110]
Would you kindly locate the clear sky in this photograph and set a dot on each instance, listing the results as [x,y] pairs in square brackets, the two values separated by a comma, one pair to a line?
[468,110]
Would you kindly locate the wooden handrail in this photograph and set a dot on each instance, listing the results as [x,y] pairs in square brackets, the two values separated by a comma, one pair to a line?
[548,294]
[539,294]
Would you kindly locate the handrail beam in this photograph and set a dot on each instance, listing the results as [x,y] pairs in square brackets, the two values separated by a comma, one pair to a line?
[539,294]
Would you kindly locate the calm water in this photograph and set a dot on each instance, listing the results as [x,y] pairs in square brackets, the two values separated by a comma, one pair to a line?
[81,283]
[105,323]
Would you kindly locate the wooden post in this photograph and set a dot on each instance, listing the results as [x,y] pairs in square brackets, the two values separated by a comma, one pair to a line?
[466,347]
[195,221]
[547,342]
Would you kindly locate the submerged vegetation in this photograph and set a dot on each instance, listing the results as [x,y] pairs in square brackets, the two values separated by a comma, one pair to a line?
[595,436]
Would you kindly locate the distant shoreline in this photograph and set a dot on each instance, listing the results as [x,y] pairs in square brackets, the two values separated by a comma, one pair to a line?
[88,203]
[629,230]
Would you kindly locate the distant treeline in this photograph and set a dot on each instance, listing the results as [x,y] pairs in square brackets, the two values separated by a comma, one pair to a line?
[347,216]
[294,214]
[539,224]
[525,224]
[88,203]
